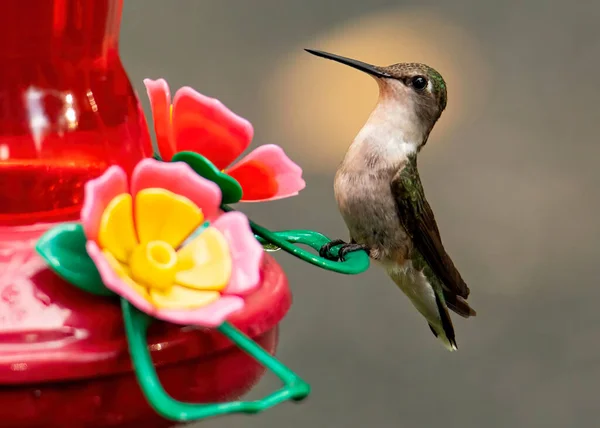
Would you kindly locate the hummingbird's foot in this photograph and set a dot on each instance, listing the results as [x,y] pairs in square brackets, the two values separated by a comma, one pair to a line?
[325,250]
[350,248]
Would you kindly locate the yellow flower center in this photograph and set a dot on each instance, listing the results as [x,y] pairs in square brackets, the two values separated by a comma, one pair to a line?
[154,264]
[144,247]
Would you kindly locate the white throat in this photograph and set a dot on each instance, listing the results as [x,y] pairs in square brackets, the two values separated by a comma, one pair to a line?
[391,134]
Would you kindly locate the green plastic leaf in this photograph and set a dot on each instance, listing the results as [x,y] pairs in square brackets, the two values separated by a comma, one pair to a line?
[63,248]
[230,188]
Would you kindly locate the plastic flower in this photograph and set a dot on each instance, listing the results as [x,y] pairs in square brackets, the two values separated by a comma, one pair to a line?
[164,245]
[197,123]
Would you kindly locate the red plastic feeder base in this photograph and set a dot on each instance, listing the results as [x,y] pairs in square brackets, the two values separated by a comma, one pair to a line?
[64,360]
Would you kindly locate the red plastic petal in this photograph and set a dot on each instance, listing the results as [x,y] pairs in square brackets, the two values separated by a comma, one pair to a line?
[257,180]
[204,125]
[160,102]
[267,174]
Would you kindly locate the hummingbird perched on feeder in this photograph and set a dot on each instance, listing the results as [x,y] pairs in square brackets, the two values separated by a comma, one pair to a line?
[381,198]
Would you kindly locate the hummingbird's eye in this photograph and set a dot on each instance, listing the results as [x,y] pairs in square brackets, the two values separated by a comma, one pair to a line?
[419,82]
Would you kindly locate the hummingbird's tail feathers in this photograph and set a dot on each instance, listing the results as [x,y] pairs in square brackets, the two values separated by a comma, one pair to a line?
[432,330]
[449,346]
[446,324]
[459,305]
[427,299]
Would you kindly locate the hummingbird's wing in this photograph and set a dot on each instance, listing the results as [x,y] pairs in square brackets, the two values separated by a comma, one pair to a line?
[417,218]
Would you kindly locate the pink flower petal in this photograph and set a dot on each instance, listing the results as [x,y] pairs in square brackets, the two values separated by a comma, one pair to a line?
[180,179]
[97,195]
[204,125]
[272,160]
[160,102]
[212,315]
[246,252]
[113,282]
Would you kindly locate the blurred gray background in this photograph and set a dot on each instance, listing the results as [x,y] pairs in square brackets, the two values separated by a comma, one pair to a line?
[510,170]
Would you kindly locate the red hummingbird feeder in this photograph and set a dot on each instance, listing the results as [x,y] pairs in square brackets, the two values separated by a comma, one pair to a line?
[69,118]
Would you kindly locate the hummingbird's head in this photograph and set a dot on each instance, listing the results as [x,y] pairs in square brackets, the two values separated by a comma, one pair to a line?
[423,84]
[413,87]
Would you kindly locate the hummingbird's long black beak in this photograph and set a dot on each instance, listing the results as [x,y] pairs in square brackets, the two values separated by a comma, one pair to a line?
[359,65]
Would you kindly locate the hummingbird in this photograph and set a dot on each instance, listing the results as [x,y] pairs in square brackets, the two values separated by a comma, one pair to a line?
[381,198]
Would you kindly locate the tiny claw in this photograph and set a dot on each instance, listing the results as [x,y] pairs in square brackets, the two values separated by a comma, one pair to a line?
[350,248]
[325,250]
